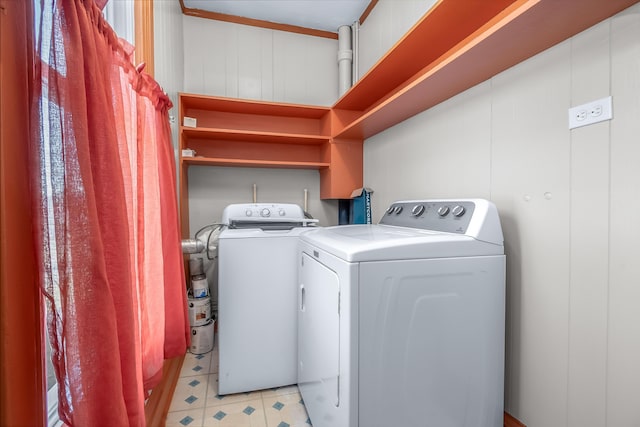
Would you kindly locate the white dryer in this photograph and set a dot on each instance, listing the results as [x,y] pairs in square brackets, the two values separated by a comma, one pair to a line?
[402,323]
[257,276]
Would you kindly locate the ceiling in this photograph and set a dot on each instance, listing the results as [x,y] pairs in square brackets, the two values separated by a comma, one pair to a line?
[326,15]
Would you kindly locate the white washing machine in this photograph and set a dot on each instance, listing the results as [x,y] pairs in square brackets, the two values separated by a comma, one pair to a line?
[257,282]
[402,323]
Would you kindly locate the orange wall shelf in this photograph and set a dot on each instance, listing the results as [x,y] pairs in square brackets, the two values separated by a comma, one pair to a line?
[245,133]
[457,45]
[441,29]
[454,46]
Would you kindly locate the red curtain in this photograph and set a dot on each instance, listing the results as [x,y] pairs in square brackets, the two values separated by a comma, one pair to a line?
[107,224]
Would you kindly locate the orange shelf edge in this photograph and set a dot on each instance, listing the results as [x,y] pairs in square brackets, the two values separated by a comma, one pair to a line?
[212,161]
[252,136]
[250,106]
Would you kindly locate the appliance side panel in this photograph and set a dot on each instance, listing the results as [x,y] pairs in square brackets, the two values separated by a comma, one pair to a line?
[257,313]
[432,342]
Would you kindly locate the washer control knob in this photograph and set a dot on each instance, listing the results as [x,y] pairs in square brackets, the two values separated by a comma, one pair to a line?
[397,210]
[443,211]
[265,212]
[390,209]
[458,211]
[248,212]
[417,210]
[281,212]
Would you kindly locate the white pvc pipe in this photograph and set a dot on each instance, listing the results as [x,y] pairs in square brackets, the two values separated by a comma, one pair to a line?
[355,43]
[345,58]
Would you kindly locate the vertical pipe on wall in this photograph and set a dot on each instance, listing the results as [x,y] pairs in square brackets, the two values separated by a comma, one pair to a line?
[345,58]
[355,46]
[306,200]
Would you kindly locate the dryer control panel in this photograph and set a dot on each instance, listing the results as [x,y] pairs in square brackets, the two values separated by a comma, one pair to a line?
[451,216]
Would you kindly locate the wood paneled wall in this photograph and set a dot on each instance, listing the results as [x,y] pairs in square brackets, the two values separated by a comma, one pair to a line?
[568,202]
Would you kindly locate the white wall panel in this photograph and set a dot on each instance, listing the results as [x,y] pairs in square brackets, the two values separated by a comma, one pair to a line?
[212,188]
[623,369]
[196,52]
[228,56]
[266,82]
[567,201]
[290,57]
[370,40]
[240,61]
[530,186]
[385,25]
[305,69]
[443,152]
[120,15]
[168,47]
[589,262]
[169,56]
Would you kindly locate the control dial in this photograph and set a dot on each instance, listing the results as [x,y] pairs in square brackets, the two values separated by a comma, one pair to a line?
[458,211]
[265,213]
[417,210]
[248,212]
[443,211]
[281,212]
[390,209]
[397,209]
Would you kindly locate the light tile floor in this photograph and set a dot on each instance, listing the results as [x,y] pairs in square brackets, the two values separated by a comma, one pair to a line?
[196,402]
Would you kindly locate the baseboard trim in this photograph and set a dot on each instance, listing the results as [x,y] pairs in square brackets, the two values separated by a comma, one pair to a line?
[157,407]
[510,421]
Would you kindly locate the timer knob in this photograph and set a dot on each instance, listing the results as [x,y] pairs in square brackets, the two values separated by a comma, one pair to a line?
[248,212]
[281,212]
[417,210]
[397,209]
[443,210]
[390,209]
[458,211]
[265,212]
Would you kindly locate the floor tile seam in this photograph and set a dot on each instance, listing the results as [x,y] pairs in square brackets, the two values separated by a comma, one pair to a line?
[206,394]
[264,410]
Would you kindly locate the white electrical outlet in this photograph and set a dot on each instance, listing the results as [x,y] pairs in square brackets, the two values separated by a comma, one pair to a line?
[592,112]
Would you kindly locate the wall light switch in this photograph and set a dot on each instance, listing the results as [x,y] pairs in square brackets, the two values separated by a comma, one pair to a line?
[592,112]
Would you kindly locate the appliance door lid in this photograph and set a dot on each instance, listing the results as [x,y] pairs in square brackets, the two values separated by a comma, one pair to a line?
[376,242]
[319,332]
[259,233]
